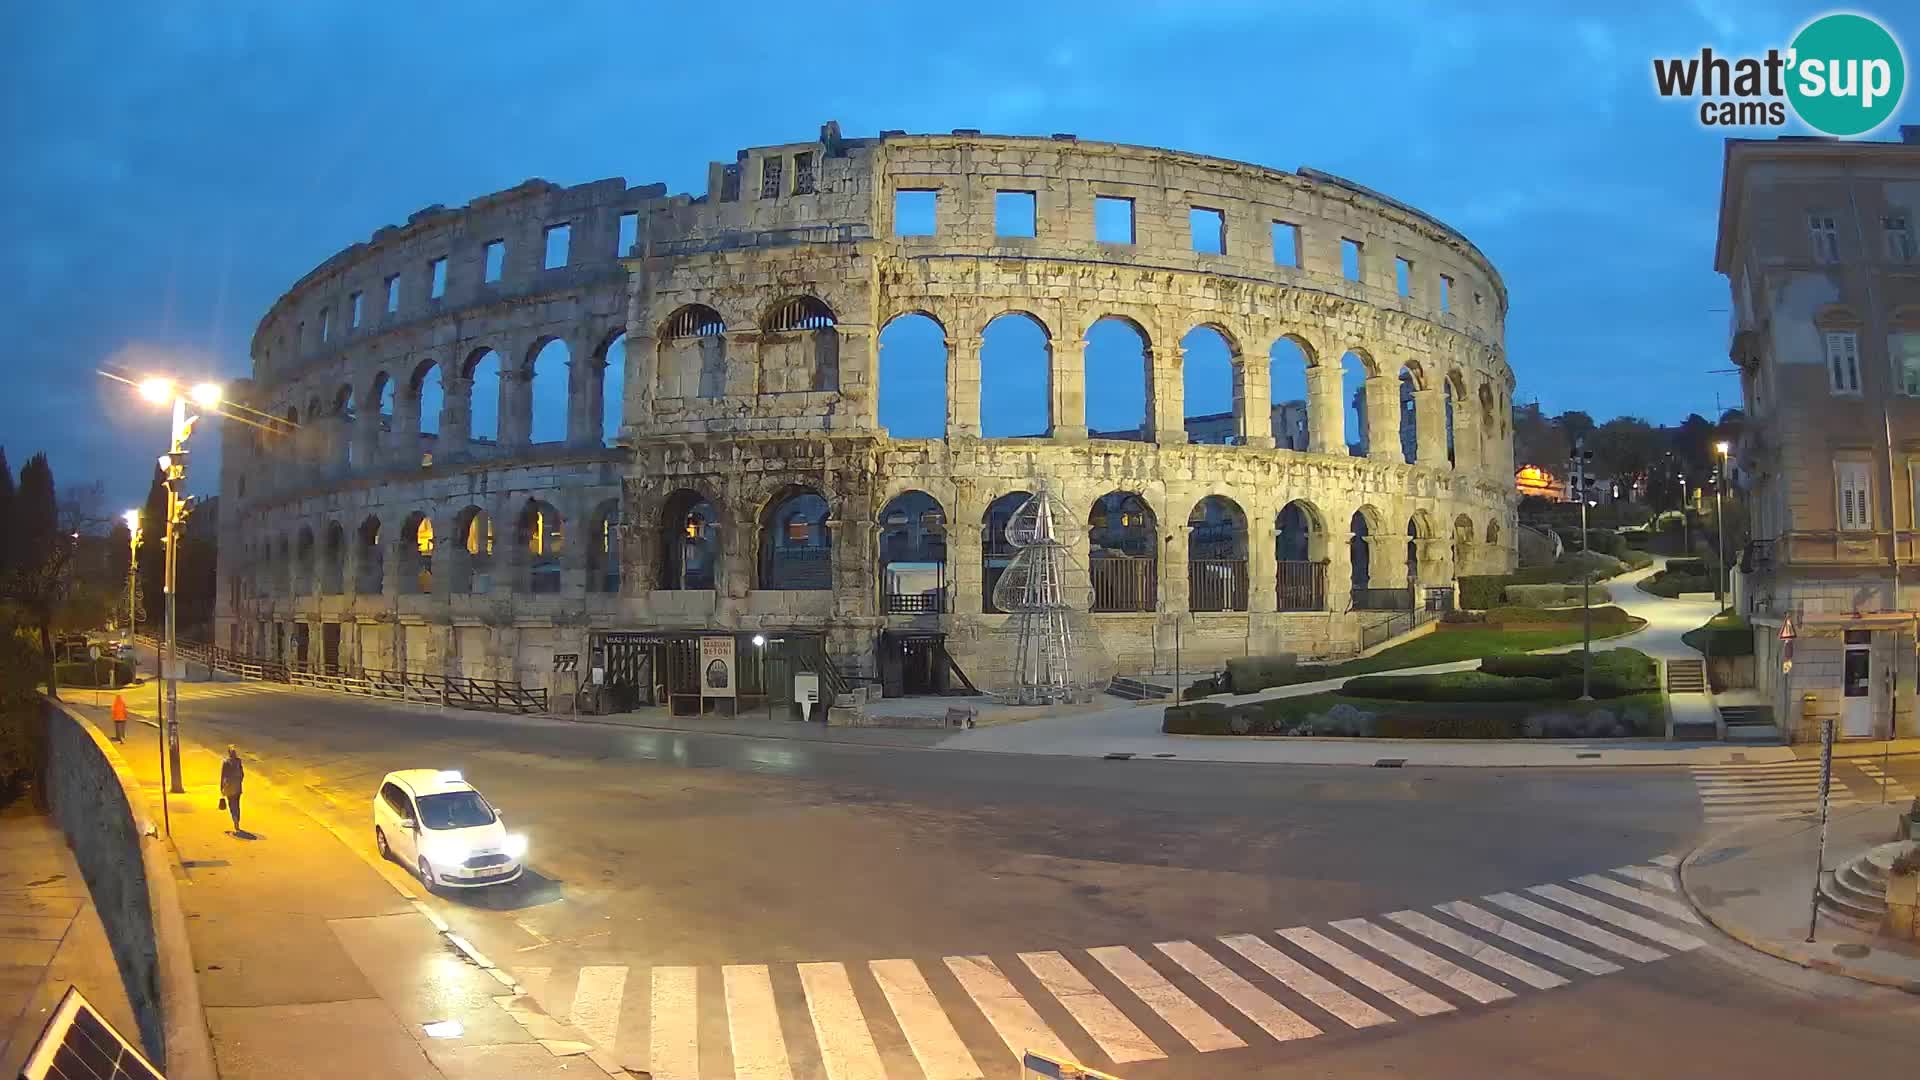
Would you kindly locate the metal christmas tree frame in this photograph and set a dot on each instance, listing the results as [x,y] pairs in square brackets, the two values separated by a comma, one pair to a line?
[1052,654]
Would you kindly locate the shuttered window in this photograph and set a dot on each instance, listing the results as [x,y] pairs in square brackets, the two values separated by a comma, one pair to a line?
[1843,362]
[1851,481]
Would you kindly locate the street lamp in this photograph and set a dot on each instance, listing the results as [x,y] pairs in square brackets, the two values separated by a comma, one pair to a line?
[1720,522]
[760,661]
[206,395]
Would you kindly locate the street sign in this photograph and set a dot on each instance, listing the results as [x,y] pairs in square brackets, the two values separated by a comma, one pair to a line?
[566,661]
[93,652]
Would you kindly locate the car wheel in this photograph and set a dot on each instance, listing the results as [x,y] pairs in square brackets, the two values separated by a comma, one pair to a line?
[426,873]
[380,842]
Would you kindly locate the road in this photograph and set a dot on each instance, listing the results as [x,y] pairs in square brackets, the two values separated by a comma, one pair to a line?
[1143,916]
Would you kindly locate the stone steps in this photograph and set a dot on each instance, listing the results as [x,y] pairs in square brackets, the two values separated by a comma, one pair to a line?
[1133,689]
[1749,723]
[1686,677]
[1856,893]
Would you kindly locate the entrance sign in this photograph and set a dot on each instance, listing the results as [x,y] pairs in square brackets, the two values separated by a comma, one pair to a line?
[566,661]
[806,693]
[716,667]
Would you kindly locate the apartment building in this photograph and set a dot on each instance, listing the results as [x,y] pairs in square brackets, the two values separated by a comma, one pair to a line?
[1817,241]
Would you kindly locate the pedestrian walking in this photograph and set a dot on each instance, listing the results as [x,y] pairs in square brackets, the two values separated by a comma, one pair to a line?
[233,777]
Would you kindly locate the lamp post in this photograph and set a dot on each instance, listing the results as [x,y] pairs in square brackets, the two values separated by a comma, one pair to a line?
[760,662]
[132,518]
[1720,522]
[173,465]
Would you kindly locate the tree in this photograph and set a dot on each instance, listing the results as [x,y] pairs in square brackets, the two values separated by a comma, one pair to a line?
[1625,450]
[1574,425]
[1536,441]
[41,551]
[6,516]
[153,550]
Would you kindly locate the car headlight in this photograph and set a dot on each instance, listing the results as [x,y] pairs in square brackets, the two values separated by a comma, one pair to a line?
[516,845]
[444,849]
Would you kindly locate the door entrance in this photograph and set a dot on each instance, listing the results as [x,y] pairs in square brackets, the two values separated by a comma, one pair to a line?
[330,647]
[1856,687]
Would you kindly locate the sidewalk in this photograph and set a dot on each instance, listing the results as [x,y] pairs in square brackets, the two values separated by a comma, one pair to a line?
[1756,886]
[50,936]
[308,954]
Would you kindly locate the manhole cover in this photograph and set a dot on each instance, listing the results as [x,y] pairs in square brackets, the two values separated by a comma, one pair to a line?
[1390,763]
[1851,951]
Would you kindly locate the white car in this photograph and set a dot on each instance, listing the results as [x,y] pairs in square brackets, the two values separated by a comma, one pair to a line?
[435,822]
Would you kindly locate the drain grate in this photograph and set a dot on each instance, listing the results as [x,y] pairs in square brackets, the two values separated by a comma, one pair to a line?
[1579,756]
[1119,757]
[1390,763]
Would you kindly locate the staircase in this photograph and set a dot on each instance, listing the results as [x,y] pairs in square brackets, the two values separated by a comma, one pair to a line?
[1138,689]
[1749,723]
[1856,894]
[1686,677]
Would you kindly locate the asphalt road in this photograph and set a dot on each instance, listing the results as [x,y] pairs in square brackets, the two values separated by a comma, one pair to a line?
[718,867]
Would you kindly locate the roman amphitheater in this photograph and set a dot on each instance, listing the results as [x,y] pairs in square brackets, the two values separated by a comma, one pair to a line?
[562,428]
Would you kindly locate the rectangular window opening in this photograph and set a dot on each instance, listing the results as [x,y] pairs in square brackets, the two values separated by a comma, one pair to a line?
[1209,229]
[1113,219]
[770,168]
[393,294]
[496,260]
[559,239]
[913,212]
[1350,259]
[1824,233]
[730,184]
[803,174]
[326,324]
[1286,244]
[1899,238]
[629,233]
[438,268]
[1446,293]
[1014,213]
[1843,362]
[353,303]
[1853,481]
[1906,354]
[1403,275]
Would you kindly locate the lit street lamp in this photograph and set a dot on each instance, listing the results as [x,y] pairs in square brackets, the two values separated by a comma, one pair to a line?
[173,464]
[1720,572]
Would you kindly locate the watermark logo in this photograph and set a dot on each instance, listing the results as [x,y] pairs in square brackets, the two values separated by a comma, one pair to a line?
[1843,74]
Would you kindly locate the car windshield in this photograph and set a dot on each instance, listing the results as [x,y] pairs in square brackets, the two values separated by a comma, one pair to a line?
[455,810]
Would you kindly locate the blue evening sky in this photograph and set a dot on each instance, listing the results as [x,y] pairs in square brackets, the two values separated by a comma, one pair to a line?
[171,168]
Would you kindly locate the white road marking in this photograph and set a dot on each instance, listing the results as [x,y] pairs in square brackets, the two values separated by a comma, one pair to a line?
[596,1003]
[1194,1024]
[1472,947]
[1650,900]
[1669,861]
[1513,932]
[1274,1018]
[1547,916]
[753,1019]
[1306,982]
[1651,875]
[1366,972]
[1479,989]
[1018,1025]
[929,1033]
[1119,1039]
[846,1046]
[1625,920]
[674,1041]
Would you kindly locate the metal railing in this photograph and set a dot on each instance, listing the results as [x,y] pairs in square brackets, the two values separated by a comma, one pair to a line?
[928,602]
[1383,600]
[1301,586]
[456,691]
[1123,583]
[1217,585]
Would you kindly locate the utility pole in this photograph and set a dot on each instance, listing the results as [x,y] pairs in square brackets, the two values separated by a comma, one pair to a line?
[1578,484]
[174,463]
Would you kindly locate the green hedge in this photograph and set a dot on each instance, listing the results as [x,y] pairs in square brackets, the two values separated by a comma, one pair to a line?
[1607,619]
[1448,686]
[1630,667]
[1539,596]
[1246,674]
[1518,677]
[1342,715]
[1199,718]
[1481,591]
[116,673]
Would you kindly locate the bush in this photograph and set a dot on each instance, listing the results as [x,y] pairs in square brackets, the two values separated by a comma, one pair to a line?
[1448,727]
[1568,569]
[1608,619]
[1619,671]
[1637,560]
[1448,686]
[1541,596]
[1690,567]
[1481,591]
[1246,674]
[1200,688]
[1200,718]
[108,674]
[1460,615]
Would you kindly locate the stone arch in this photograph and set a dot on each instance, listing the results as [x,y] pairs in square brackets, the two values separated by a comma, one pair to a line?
[1463,544]
[1412,382]
[283,568]
[483,375]
[796,543]
[606,538]
[799,347]
[1118,382]
[548,397]
[1363,531]
[1217,555]
[996,553]
[1123,552]
[345,418]
[1288,360]
[690,541]
[913,554]
[1212,397]
[610,364]
[333,560]
[1358,370]
[303,562]
[472,552]
[416,553]
[539,538]
[692,348]
[427,396]
[913,392]
[370,573]
[1016,376]
[1300,546]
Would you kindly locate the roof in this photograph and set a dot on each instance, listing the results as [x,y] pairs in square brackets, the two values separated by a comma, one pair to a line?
[430,781]
[1842,153]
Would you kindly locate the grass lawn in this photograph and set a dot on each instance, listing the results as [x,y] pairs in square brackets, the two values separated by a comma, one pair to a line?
[1728,634]
[1647,712]
[1442,646]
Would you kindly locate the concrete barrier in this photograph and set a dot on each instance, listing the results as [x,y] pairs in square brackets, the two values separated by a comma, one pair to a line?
[99,805]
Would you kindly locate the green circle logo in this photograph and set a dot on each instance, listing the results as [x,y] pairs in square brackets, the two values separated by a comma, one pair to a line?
[1848,74]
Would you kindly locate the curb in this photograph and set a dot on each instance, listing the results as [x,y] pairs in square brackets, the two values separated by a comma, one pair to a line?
[1798,957]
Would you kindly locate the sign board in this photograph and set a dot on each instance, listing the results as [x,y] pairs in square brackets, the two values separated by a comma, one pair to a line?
[78,1043]
[93,652]
[716,667]
[806,692]
[566,661]
[599,676]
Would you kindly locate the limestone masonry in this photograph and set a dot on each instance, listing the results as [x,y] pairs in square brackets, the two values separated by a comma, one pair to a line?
[745,484]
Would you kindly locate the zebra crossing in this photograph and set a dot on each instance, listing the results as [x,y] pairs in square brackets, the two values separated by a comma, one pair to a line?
[972,1016]
[1732,794]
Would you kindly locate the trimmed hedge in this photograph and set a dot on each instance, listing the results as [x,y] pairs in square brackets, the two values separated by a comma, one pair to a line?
[1246,674]
[1199,718]
[1344,716]
[1611,618]
[1448,686]
[1481,591]
[87,673]
[1518,677]
[1630,667]
[1539,596]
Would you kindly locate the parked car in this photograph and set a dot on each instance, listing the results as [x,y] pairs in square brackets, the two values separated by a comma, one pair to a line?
[435,822]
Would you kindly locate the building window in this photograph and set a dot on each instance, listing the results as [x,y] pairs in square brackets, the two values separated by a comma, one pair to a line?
[1825,234]
[1446,293]
[1350,259]
[1913,495]
[393,294]
[1899,238]
[326,324]
[1843,362]
[1286,244]
[1853,481]
[1403,275]
[803,174]
[730,184]
[914,212]
[353,304]
[1113,219]
[1209,230]
[770,178]
[1906,359]
[1014,213]
[496,260]
[629,233]
[438,270]
[559,241]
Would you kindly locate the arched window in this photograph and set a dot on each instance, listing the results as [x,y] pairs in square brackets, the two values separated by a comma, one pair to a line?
[1287,363]
[1217,556]
[473,552]
[416,556]
[483,410]
[1354,375]
[1449,396]
[996,553]
[799,348]
[334,561]
[1016,360]
[370,578]
[1123,553]
[1360,550]
[1409,418]
[1300,551]
[1463,545]
[913,555]
[1118,377]
[345,417]
[913,377]
[796,549]
[547,368]
[538,542]
[693,354]
[1207,377]
[689,542]
[283,571]
[428,397]
[604,544]
[613,387]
